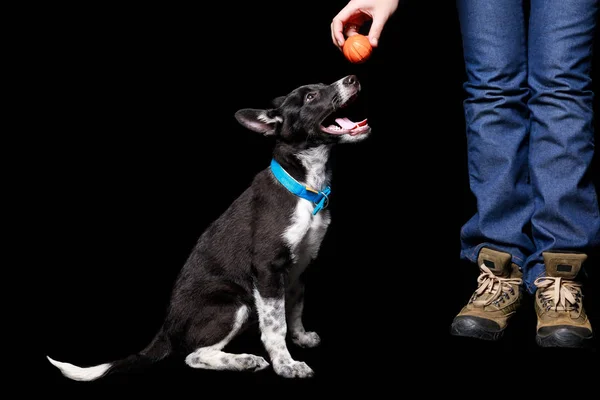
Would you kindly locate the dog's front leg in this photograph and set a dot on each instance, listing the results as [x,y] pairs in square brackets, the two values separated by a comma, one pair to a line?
[295,308]
[269,295]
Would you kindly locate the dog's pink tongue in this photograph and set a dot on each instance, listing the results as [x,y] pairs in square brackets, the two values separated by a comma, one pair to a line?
[345,123]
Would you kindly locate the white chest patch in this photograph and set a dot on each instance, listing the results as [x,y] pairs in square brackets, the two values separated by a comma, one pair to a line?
[303,233]
[306,231]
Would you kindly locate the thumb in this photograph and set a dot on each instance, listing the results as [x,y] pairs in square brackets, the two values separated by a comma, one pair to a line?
[376,29]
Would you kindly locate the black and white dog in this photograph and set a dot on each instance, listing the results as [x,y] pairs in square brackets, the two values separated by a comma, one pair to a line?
[248,263]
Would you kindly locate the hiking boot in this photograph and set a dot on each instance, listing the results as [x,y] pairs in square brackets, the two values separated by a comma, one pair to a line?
[561,319]
[496,299]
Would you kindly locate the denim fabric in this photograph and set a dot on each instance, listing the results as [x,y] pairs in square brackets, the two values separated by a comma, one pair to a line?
[529,119]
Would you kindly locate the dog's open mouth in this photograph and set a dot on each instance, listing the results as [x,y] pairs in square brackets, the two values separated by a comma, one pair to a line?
[342,121]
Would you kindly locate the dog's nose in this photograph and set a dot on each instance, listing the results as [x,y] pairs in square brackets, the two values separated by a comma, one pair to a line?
[350,80]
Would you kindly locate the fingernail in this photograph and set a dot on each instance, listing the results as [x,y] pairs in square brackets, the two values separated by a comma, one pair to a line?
[339,42]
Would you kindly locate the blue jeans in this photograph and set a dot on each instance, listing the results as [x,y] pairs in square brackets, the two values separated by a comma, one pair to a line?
[529,126]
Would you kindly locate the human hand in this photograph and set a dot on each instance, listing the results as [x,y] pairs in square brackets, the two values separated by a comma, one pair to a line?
[353,16]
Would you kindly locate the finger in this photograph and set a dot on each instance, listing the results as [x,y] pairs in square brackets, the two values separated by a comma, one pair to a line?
[337,35]
[334,39]
[337,25]
[376,29]
[351,30]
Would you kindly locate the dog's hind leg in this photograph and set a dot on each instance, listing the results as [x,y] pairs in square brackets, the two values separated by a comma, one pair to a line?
[213,357]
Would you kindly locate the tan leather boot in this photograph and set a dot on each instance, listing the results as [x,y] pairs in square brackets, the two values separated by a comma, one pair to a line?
[561,319]
[496,299]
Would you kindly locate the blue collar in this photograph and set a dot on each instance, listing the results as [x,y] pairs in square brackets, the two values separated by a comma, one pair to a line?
[319,198]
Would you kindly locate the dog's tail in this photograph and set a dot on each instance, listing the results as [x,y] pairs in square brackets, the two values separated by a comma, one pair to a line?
[158,349]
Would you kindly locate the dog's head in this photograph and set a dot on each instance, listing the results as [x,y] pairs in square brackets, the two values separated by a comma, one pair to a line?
[310,115]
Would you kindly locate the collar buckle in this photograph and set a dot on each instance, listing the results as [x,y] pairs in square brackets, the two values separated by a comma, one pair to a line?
[323,202]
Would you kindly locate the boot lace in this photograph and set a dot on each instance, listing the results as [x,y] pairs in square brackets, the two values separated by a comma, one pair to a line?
[559,294]
[497,287]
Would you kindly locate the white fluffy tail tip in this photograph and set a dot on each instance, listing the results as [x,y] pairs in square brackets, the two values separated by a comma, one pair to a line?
[80,374]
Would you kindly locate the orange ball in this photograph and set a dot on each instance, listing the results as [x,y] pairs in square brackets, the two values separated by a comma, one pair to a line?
[357,48]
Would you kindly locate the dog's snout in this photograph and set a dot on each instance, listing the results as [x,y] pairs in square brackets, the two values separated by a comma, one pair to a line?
[346,88]
[350,80]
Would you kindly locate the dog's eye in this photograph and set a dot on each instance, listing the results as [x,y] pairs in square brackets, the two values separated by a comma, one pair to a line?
[310,96]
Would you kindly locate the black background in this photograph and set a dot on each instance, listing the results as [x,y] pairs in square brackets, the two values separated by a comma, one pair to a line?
[141,152]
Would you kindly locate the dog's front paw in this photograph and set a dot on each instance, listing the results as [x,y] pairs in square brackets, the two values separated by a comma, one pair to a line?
[306,339]
[292,369]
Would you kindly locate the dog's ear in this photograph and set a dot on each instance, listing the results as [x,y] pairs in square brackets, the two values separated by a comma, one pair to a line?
[278,101]
[261,121]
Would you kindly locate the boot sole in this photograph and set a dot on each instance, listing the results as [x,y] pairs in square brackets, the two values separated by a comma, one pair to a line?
[563,337]
[474,327]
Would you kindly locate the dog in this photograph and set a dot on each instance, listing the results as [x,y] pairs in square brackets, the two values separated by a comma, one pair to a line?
[248,265]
